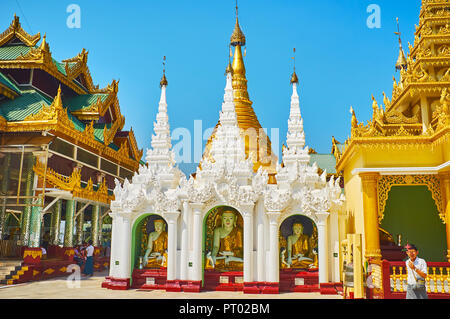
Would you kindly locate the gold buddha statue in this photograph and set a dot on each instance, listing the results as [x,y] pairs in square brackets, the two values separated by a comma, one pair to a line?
[227,248]
[300,250]
[156,253]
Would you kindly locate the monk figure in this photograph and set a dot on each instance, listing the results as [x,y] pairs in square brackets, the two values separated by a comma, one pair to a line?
[300,252]
[227,250]
[156,253]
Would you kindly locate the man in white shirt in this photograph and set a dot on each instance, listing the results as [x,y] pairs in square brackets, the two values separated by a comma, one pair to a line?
[89,266]
[417,273]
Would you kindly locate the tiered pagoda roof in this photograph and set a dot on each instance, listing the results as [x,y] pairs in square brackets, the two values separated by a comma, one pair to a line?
[89,116]
[418,111]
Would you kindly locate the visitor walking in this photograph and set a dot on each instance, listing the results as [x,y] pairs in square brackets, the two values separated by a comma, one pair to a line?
[89,266]
[78,257]
[417,273]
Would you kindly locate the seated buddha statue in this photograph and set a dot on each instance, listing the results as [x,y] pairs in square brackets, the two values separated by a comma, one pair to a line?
[227,248]
[300,252]
[156,253]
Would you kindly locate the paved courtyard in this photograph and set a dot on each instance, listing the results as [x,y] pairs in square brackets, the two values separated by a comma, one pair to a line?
[90,288]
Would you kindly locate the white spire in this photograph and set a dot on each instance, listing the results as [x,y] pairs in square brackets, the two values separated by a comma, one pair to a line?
[295,136]
[227,145]
[161,154]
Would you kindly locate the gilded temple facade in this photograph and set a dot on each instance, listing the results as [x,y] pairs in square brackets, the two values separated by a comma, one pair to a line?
[397,166]
[62,145]
[242,222]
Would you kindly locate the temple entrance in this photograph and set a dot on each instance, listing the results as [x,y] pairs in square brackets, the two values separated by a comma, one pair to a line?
[411,212]
[149,252]
[298,239]
[223,250]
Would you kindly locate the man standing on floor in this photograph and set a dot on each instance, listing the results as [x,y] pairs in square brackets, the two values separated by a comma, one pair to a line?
[417,273]
[89,266]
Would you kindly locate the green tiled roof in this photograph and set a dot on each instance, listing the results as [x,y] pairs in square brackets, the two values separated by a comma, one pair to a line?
[30,102]
[60,66]
[6,82]
[12,52]
[325,162]
[82,101]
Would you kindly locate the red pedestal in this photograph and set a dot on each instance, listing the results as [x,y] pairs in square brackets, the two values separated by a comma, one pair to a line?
[231,280]
[329,288]
[32,256]
[270,288]
[192,286]
[294,280]
[251,288]
[116,283]
[158,279]
[173,286]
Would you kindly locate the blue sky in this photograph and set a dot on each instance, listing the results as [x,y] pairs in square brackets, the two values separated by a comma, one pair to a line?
[340,61]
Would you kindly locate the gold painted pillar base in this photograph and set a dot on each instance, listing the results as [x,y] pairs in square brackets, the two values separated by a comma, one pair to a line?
[370,205]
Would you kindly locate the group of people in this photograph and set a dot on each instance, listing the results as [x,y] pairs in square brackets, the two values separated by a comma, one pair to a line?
[84,255]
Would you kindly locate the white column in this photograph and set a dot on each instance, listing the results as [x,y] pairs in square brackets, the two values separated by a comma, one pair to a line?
[274,262]
[261,252]
[123,269]
[197,238]
[184,242]
[172,219]
[115,242]
[248,244]
[323,246]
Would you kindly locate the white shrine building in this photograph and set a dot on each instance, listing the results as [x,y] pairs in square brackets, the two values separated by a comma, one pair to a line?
[229,178]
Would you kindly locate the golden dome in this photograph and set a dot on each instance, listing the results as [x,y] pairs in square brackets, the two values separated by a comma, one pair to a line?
[238,37]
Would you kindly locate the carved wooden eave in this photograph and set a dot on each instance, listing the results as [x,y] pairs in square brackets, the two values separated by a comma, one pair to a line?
[39,58]
[73,184]
[55,119]
[15,30]
[108,134]
[96,109]
[421,142]
[414,89]
[3,123]
[134,148]
[6,91]
[426,40]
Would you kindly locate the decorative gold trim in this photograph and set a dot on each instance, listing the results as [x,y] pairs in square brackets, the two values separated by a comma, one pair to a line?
[15,29]
[6,91]
[386,182]
[73,184]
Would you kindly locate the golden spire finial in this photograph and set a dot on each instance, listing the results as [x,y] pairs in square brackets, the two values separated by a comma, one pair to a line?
[294,77]
[401,61]
[163,79]
[229,68]
[238,37]
[57,101]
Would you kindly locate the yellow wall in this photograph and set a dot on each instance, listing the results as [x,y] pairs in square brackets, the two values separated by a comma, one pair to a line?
[406,153]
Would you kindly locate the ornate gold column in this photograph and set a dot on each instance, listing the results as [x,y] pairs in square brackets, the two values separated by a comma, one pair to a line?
[370,204]
[445,186]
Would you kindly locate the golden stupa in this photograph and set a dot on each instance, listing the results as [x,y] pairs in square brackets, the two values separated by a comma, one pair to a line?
[257,143]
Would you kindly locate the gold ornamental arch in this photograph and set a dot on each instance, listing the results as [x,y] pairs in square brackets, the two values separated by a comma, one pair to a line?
[386,182]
